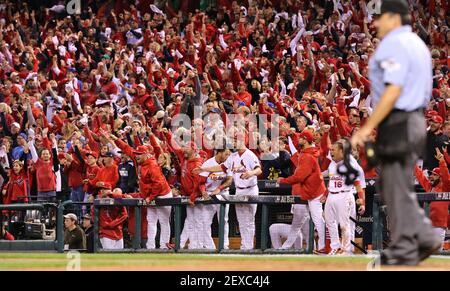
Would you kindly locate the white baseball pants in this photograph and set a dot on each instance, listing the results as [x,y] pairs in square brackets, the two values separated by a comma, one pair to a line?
[316,211]
[110,244]
[337,212]
[208,212]
[279,232]
[161,214]
[192,226]
[300,217]
[245,214]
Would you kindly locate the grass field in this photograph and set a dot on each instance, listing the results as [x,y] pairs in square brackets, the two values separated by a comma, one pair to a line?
[196,262]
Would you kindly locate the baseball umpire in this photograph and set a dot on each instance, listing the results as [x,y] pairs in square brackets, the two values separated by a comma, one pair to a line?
[401,75]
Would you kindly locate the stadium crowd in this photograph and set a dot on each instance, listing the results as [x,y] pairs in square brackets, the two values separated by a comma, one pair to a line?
[88,101]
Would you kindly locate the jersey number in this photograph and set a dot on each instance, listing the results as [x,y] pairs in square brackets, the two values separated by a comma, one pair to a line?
[338,184]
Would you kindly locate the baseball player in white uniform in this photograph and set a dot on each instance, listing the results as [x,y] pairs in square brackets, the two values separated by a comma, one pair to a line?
[244,166]
[338,206]
[279,233]
[215,184]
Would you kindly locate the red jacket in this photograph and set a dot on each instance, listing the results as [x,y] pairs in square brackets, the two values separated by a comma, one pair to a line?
[307,180]
[438,209]
[106,175]
[152,182]
[110,221]
[190,183]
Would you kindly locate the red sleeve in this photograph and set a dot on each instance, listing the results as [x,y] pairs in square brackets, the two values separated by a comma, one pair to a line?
[281,110]
[235,76]
[343,127]
[202,183]
[341,107]
[325,144]
[9,236]
[125,148]
[119,220]
[58,123]
[447,157]
[95,146]
[156,147]
[445,176]
[294,159]
[196,179]
[47,143]
[301,173]
[422,179]
[178,152]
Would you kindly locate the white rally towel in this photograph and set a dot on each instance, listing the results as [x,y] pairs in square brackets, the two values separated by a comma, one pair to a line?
[156,9]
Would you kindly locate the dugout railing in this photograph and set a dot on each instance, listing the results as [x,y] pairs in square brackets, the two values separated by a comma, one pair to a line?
[372,225]
[178,202]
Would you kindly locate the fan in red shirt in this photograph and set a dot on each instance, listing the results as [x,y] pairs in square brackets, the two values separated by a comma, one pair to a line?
[109,173]
[45,168]
[16,189]
[438,181]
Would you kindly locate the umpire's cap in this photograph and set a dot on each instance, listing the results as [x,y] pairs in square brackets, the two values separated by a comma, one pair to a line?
[395,6]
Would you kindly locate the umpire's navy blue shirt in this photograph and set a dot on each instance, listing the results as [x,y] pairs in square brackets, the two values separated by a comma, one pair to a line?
[402,59]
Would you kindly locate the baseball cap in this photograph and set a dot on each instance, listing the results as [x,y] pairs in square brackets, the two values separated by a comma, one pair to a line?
[140,150]
[71,216]
[108,155]
[436,171]
[91,153]
[431,113]
[395,6]
[141,86]
[87,216]
[215,110]
[306,134]
[23,135]
[437,119]
[15,124]
[160,114]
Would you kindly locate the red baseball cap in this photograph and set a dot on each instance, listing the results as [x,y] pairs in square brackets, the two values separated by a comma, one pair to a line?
[436,171]
[431,113]
[307,135]
[437,119]
[140,150]
[91,153]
